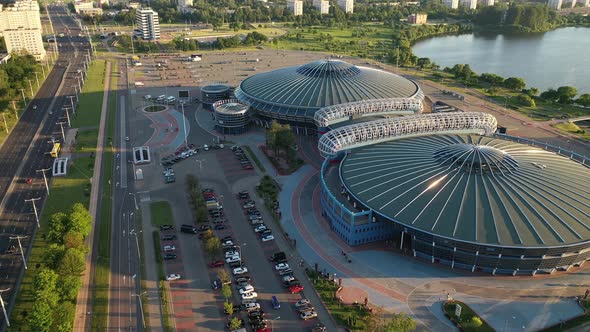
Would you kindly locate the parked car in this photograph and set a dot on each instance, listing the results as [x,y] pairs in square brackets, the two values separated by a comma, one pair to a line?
[308,315]
[295,289]
[302,302]
[267,238]
[246,289]
[248,205]
[216,284]
[232,259]
[318,328]
[239,271]
[169,248]
[286,271]
[306,308]
[256,313]
[246,302]
[218,227]
[275,302]
[218,221]
[217,263]
[235,264]
[170,256]
[251,306]
[173,276]
[204,228]
[259,228]
[168,237]
[166,227]
[231,253]
[250,295]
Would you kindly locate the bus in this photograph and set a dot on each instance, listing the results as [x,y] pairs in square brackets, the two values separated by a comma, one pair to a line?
[55,150]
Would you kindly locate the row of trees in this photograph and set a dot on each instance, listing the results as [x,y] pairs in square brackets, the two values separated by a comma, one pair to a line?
[56,285]
[196,199]
[280,139]
[14,76]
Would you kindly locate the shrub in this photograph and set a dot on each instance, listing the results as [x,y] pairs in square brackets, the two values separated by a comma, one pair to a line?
[476,321]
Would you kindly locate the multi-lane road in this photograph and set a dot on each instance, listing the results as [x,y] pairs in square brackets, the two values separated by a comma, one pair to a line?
[27,148]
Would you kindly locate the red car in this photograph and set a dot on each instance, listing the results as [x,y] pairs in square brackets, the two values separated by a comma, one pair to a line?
[295,289]
[216,264]
[248,167]
[266,329]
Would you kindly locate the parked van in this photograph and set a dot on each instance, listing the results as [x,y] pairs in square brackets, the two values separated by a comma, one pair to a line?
[147,97]
[275,302]
[188,229]
[161,98]
[170,100]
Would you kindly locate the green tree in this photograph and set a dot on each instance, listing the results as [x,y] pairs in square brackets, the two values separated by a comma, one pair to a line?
[235,323]
[40,317]
[226,292]
[526,100]
[399,323]
[44,282]
[68,287]
[72,263]
[228,307]
[80,220]
[515,83]
[57,227]
[584,100]
[73,239]
[53,255]
[213,246]
[64,317]
[476,321]
[550,94]
[424,62]
[566,94]
[223,276]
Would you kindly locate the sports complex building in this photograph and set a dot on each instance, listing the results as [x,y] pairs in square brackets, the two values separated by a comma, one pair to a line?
[445,187]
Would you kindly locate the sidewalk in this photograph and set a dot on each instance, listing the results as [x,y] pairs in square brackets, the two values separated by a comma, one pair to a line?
[84,300]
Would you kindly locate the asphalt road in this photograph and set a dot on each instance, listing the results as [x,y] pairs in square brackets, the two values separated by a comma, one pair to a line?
[27,148]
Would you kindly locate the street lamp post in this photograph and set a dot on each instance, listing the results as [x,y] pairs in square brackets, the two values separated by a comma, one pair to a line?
[5,123]
[37,78]
[45,178]
[68,115]
[133,232]
[63,133]
[22,253]
[3,307]
[272,322]
[72,102]
[33,200]
[140,306]
[24,97]
[184,125]
[31,87]
[134,200]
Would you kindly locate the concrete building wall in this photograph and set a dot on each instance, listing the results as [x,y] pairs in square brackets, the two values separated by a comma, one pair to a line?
[322,5]
[346,5]
[420,18]
[148,22]
[20,25]
[453,4]
[470,4]
[296,6]
[185,3]
[555,4]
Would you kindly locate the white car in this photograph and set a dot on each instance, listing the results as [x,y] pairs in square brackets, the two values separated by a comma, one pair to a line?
[173,276]
[206,147]
[249,296]
[247,289]
[231,253]
[308,315]
[287,279]
[281,266]
[247,302]
[260,228]
[34,107]
[251,306]
[267,238]
[302,302]
[169,248]
[232,259]
[240,270]
[227,243]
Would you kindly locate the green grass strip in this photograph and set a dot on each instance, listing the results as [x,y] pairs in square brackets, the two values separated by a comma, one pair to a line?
[161,213]
[468,321]
[256,161]
[100,293]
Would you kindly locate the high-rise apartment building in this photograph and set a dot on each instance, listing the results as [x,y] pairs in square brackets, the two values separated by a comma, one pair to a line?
[185,3]
[470,4]
[147,23]
[453,4]
[555,4]
[322,5]
[20,25]
[585,3]
[346,5]
[296,6]
[487,2]
[419,18]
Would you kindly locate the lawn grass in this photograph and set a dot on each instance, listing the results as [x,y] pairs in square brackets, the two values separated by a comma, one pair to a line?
[354,317]
[100,293]
[88,110]
[574,322]
[256,161]
[162,289]
[161,213]
[573,128]
[465,322]
[86,140]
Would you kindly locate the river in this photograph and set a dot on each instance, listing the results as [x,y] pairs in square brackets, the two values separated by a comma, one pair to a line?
[545,60]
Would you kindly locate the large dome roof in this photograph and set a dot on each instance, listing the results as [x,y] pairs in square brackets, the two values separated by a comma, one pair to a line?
[302,90]
[474,188]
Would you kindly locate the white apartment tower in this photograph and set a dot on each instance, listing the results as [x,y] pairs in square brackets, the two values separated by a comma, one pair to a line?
[453,4]
[585,3]
[487,2]
[322,5]
[185,3]
[148,23]
[296,6]
[346,5]
[470,4]
[555,4]
[20,25]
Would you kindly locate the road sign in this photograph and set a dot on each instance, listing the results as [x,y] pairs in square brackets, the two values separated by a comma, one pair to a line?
[457,310]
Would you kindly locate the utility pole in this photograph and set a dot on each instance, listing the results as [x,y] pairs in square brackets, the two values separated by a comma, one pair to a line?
[132,232]
[72,102]
[43,71]
[67,115]
[140,306]
[37,78]
[24,97]
[15,110]
[79,85]
[45,178]
[5,124]
[31,86]
[63,134]
[3,307]
[184,125]
[33,200]
[22,253]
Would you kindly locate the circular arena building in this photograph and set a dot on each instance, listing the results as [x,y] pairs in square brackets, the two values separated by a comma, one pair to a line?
[212,93]
[295,94]
[497,204]
[231,116]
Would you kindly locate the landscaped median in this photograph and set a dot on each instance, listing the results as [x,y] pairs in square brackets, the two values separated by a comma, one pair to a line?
[578,321]
[467,320]
[161,214]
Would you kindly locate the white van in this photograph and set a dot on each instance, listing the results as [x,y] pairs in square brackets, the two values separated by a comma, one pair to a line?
[170,100]
[161,98]
[147,97]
